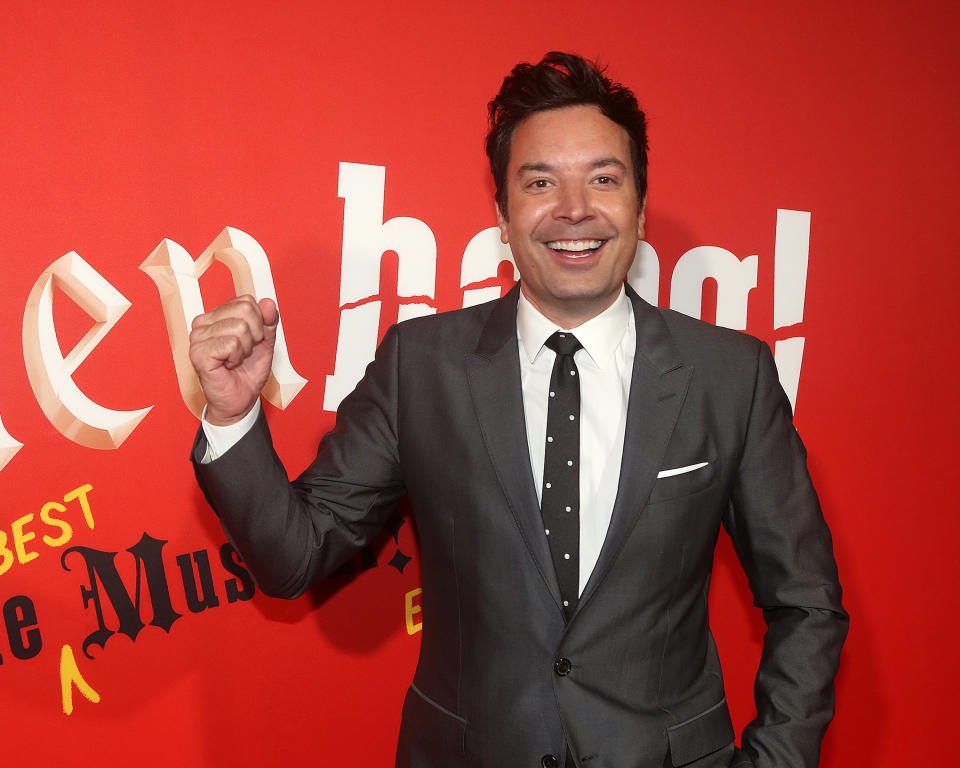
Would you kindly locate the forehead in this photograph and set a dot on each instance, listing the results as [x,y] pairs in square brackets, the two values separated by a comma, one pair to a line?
[568,136]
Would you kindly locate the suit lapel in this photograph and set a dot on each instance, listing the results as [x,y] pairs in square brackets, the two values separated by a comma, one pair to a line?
[657,390]
[493,375]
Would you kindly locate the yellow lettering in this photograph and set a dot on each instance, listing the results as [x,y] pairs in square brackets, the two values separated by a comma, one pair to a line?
[6,556]
[66,531]
[20,538]
[81,494]
[70,676]
[410,610]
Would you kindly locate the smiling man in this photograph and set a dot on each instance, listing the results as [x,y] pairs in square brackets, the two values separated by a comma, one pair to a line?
[572,214]
[570,453]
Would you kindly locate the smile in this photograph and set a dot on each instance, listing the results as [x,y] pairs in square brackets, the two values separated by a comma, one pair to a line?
[575,249]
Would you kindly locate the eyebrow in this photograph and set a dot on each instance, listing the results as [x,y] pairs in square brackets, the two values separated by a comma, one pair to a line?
[600,162]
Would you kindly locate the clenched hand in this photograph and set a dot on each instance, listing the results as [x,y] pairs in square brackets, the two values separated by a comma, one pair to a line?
[231,348]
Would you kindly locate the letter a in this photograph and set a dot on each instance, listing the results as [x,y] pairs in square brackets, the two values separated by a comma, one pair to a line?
[70,676]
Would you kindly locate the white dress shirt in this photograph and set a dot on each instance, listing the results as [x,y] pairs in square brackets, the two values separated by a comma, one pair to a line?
[222,439]
[605,364]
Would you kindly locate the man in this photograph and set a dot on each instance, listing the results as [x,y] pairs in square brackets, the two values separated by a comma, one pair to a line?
[568,488]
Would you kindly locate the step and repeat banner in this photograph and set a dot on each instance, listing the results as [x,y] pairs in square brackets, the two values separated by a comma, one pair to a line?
[157,158]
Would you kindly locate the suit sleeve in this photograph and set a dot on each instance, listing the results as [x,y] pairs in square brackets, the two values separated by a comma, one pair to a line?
[291,534]
[786,549]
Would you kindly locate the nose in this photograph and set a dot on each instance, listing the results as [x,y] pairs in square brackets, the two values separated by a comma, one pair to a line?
[573,205]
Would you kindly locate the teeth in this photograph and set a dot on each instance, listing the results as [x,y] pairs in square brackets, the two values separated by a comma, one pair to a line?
[574,245]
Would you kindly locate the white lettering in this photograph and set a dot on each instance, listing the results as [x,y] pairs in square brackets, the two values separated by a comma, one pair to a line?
[735,279]
[8,446]
[644,274]
[177,277]
[69,410]
[788,354]
[366,237]
[791,252]
[481,260]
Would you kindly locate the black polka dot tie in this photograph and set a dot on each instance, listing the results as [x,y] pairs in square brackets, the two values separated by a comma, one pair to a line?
[560,500]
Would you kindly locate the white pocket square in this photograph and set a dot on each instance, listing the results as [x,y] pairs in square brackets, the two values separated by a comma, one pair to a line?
[681,470]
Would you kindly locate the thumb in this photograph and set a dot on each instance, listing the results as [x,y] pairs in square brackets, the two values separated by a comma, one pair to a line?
[271,319]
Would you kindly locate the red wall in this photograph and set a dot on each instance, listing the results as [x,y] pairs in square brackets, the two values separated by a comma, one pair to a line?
[122,124]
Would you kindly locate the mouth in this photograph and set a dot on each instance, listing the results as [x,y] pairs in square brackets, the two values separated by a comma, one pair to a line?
[575,249]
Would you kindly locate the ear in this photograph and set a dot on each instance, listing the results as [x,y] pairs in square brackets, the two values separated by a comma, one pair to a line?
[642,221]
[502,223]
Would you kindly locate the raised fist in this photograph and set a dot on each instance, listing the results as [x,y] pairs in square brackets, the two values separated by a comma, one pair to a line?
[231,348]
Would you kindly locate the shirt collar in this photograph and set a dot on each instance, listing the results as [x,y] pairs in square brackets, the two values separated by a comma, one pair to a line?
[599,336]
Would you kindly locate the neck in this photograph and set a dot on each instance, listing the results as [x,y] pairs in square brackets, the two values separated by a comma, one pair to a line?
[570,314]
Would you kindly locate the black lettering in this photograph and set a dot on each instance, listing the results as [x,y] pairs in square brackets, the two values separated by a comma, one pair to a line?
[101,566]
[241,588]
[20,616]
[195,602]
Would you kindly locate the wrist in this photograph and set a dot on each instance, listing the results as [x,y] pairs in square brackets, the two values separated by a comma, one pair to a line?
[217,418]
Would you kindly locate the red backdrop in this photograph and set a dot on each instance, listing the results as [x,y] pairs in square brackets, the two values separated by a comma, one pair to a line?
[123,124]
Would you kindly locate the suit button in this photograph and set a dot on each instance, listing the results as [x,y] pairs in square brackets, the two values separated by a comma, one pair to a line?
[549,761]
[562,666]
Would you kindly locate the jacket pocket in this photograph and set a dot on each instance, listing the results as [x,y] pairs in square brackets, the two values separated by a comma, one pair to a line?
[429,729]
[684,482]
[700,735]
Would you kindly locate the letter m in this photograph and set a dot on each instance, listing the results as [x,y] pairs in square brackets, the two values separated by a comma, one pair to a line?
[102,570]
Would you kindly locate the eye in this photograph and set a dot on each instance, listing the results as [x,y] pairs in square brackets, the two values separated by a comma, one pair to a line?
[539,184]
[605,180]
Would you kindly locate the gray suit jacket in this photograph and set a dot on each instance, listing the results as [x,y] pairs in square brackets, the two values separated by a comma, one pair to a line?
[439,417]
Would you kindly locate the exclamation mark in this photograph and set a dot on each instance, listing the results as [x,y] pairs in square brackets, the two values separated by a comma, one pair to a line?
[790,255]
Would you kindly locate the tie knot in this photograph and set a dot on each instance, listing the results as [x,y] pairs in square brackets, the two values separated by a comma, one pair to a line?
[563,343]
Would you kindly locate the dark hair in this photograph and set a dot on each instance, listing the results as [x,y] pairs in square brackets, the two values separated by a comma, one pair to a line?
[561,80]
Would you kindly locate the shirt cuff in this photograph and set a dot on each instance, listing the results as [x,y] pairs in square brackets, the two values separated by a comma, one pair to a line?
[222,439]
